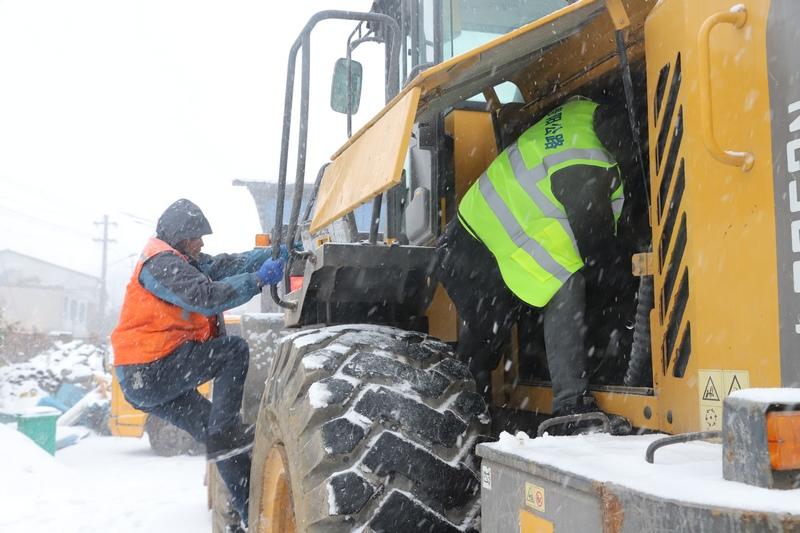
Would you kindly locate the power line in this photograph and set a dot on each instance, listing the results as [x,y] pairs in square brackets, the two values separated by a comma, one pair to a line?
[139,220]
[48,222]
[106,241]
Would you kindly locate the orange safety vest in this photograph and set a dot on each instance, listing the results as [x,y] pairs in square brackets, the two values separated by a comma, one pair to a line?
[150,328]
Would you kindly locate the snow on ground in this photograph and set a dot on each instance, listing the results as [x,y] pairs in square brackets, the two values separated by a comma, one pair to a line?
[100,484]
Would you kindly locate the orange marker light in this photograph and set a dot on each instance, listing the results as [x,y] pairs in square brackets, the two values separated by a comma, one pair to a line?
[263,240]
[783,439]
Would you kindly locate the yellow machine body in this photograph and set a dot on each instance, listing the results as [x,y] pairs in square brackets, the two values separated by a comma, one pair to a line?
[723,302]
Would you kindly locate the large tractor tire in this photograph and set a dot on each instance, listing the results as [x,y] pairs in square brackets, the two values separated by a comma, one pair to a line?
[366,428]
[167,440]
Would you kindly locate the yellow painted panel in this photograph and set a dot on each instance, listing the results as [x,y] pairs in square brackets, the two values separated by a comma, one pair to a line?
[442,316]
[730,321]
[530,523]
[474,146]
[632,406]
[370,165]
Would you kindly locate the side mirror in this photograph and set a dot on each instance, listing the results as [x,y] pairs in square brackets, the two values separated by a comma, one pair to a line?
[339,86]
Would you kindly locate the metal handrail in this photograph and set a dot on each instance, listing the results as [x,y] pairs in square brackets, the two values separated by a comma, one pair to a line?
[304,41]
[650,453]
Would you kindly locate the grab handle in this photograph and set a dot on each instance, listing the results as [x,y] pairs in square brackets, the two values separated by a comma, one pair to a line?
[737,16]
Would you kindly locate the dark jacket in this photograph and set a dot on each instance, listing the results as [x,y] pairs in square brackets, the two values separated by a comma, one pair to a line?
[208,285]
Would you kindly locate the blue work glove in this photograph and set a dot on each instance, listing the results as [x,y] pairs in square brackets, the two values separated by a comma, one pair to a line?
[284,253]
[271,271]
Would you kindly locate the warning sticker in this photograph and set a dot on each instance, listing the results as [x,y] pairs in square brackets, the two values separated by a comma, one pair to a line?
[486,477]
[710,393]
[712,418]
[534,496]
[735,380]
[714,387]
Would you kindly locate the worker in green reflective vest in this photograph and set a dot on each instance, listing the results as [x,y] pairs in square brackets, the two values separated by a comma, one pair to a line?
[530,232]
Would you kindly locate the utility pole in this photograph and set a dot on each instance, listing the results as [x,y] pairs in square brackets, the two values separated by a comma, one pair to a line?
[104,270]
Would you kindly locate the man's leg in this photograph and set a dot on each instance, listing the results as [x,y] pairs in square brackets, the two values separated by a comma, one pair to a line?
[486,307]
[228,381]
[188,411]
[235,472]
[223,359]
[564,334]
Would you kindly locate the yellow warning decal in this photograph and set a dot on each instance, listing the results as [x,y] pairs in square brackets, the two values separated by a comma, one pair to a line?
[534,496]
[530,523]
[713,387]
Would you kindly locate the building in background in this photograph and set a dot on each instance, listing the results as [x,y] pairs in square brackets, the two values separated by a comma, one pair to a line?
[44,297]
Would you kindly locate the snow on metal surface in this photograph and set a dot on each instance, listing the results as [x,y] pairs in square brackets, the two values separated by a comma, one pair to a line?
[690,472]
[785,395]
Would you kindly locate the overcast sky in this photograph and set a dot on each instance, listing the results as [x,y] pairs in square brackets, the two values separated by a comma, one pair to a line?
[120,107]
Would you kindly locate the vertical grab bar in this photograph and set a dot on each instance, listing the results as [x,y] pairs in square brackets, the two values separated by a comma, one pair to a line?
[737,16]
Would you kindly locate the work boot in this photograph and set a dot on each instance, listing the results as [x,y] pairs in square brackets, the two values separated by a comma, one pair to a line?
[234,440]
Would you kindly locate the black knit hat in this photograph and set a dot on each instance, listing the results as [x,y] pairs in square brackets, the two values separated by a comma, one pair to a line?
[181,221]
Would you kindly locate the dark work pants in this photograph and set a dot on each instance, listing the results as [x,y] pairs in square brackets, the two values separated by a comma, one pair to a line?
[167,388]
[488,310]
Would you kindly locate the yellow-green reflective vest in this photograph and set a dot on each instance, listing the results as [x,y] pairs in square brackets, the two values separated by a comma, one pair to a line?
[512,209]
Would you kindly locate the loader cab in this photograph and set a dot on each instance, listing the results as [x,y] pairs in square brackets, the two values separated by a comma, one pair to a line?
[451,148]
[460,112]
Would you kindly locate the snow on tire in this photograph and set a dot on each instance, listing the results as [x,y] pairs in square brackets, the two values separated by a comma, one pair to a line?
[378,426]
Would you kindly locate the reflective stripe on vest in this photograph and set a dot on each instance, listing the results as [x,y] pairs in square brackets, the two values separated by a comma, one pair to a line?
[544,253]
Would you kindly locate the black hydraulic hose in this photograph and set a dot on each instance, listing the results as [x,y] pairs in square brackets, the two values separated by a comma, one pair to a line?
[313,198]
[640,366]
[649,455]
[374,223]
[627,84]
[293,231]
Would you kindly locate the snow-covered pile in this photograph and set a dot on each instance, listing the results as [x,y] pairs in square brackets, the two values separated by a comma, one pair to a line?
[23,384]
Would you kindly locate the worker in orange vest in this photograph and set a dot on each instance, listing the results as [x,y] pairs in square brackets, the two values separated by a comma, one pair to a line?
[170,338]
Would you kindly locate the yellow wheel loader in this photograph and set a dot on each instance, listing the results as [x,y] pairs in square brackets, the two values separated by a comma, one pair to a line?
[366,421]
